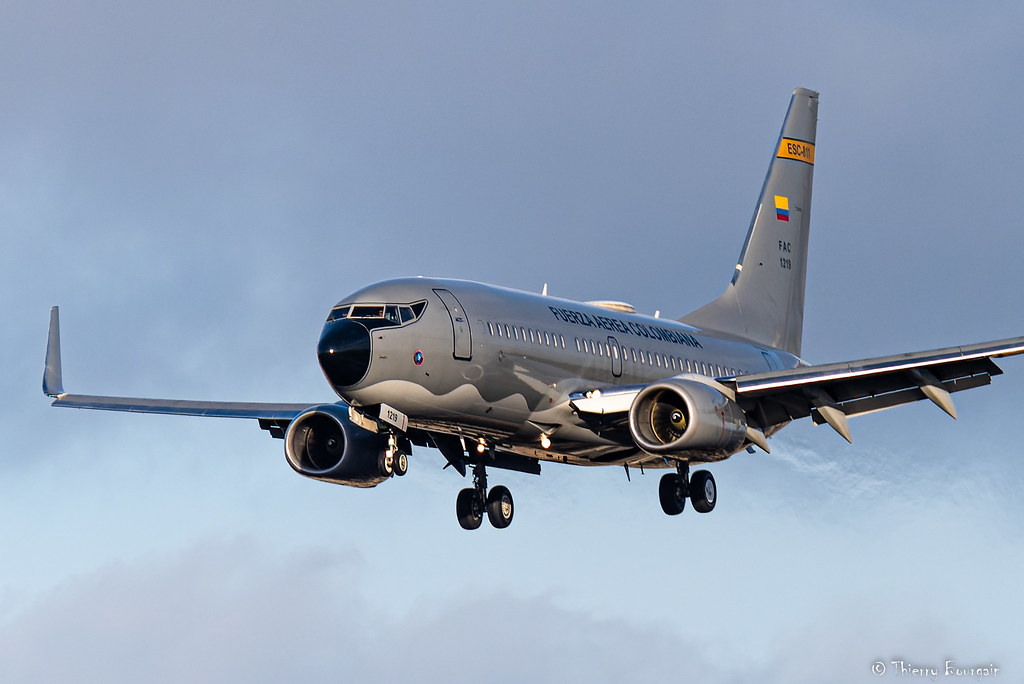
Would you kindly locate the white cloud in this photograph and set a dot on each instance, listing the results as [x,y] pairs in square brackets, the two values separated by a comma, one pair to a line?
[229,610]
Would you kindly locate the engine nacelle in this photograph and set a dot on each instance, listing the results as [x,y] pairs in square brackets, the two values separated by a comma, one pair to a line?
[682,414]
[323,444]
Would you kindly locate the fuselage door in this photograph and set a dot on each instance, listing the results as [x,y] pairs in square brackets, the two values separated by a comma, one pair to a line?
[460,325]
[616,357]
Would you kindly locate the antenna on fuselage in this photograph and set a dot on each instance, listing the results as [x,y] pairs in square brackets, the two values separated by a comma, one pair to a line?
[544,292]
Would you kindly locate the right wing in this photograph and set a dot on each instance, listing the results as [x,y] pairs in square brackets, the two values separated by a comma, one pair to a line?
[273,417]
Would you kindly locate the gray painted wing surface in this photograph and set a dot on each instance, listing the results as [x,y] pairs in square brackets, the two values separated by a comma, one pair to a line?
[53,386]
[857,387]
[182,407]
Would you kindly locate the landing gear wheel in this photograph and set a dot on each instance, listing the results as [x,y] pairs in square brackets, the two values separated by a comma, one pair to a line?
[672,492]
[500,507]
[386,464]
[703,492]
[401,464]
[469,507]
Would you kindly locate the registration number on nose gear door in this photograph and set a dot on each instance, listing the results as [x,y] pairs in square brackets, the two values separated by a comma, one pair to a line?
[394,417]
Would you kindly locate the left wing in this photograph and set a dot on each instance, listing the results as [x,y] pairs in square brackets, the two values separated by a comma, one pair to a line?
[829,393]
[269,415]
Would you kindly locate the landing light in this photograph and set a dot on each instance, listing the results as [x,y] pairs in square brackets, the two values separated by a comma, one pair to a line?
[481,446]
[545,442]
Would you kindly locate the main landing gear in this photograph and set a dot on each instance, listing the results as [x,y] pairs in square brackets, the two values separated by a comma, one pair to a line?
[700,488]
[472,502]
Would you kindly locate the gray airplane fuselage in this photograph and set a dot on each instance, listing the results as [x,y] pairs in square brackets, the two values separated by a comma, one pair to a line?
[505,362]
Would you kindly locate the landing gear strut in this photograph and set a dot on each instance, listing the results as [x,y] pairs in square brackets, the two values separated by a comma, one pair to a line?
[674,489]
[472,502]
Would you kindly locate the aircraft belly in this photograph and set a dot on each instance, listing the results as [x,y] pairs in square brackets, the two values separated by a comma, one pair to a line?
[464,402]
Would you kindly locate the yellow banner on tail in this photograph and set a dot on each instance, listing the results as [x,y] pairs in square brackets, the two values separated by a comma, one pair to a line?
[799,150]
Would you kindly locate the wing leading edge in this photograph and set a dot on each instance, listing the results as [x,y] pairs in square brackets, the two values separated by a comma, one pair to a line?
[53,386]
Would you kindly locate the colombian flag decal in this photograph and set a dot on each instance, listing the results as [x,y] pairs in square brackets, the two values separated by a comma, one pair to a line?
[781,208]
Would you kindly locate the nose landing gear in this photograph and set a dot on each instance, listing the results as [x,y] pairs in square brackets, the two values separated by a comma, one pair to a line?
[395,459]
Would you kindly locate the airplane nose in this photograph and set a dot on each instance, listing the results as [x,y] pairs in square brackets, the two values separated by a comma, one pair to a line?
[344,352]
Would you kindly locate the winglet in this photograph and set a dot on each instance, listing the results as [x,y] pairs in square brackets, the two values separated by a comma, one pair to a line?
[53,384]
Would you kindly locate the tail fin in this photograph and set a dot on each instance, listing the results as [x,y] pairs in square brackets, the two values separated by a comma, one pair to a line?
[764,302]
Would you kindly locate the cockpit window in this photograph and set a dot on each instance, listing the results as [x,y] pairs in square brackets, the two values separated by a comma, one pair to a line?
[339,312]
[373,311]
[379,315]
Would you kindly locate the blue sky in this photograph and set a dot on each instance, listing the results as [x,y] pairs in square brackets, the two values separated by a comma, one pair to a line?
[195,186]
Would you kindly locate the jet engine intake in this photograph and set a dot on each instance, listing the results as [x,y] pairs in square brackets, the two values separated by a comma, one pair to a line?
[681,414]
[321,443]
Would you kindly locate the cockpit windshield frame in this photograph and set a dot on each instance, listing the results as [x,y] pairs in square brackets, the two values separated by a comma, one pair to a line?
[374,315]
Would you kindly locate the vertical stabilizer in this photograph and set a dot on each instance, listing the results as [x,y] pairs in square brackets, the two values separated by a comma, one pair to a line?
[764,302]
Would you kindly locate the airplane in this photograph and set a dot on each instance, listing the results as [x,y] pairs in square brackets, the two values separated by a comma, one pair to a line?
[505,379]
